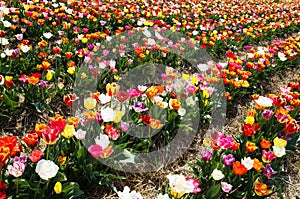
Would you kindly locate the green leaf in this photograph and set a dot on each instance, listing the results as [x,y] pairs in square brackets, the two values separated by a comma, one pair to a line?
[81,152]
[239,194]
[291,145]
[3,115]
[72,190]
[75,193]
[69,186]
[48,107]
[12,104]
[60,176]
[22,183]
[112,176]
[213,191]
[41,106]
[38,107]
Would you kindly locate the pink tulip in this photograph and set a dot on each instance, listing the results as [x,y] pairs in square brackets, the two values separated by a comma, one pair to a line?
[95,150]
[226,187]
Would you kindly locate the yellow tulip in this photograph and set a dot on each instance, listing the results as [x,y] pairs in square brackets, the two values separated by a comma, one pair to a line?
[49,76]
[71,70]
[185,76]
[90,103]
[26,7]
[119,115]
[176,195]
[84,40]
[206,142]
[280,142]
[83,75]
[205,94]
[68,131]
[116,77]
[245,84]
[194,80]
[148,23]
[112,88]
[250,120]
[58,187]
[8,78]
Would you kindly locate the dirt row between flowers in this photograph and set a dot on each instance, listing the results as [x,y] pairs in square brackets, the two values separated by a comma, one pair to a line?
[148,184]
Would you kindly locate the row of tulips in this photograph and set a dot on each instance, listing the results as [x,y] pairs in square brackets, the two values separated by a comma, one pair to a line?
[242,74]
[52,158]
[249,165]
[238,72]
[72,147]
[44,44]
[214,18]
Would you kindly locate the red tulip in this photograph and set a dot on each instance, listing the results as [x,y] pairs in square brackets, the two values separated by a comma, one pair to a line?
[69,99]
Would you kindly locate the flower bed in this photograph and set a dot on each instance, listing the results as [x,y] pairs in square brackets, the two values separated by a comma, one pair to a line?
[247,165]
[82,50]
[44,44]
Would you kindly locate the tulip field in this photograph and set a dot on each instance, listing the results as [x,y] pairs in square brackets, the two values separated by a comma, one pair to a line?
[135,99]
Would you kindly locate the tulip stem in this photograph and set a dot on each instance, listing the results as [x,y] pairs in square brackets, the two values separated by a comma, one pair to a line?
[47,152]
[17,186]
[38,186]
[0,171]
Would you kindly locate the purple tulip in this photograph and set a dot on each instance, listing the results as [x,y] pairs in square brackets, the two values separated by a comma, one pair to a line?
[267,114]
[22,159]
[139,107]
[43,83]
[269,171]
[17,169]
[90,46]
[124,126]
[228,160]
[206,155]
[99,118]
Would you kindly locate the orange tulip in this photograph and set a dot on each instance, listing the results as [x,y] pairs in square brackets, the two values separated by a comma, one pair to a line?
[238,168]
[265,144]
[4,154]
[261,189]
[257,165]
[174,103]
[250,147]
